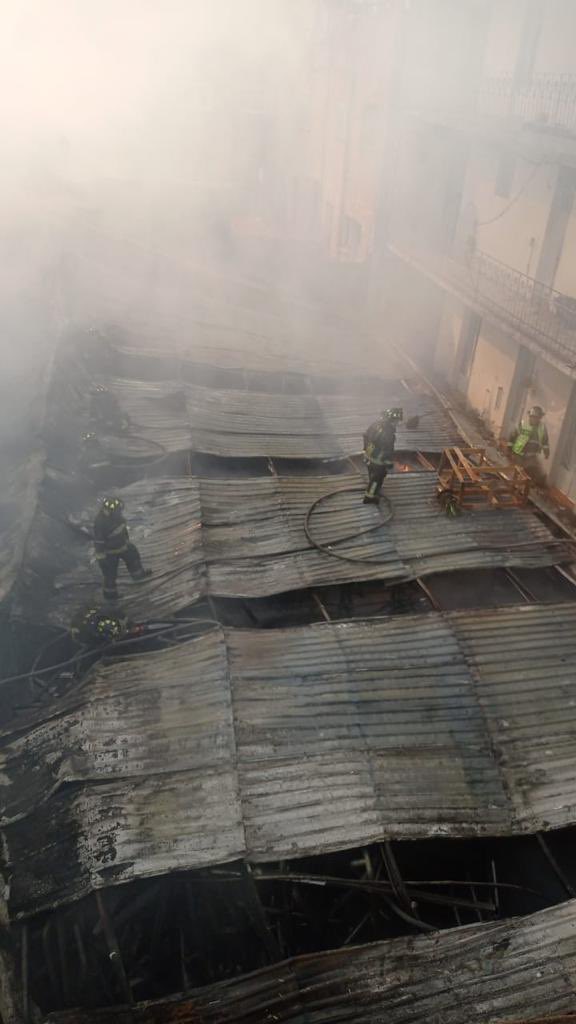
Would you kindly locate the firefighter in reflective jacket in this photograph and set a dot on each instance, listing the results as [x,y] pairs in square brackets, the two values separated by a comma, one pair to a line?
[530,439]
[96,627]
[379,442]
[112,544]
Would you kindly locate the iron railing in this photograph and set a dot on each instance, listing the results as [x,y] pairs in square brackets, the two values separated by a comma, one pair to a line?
[545,101]
[545,314]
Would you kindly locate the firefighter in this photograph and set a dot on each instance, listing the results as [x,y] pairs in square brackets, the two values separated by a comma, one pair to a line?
[530,439]
[379,442]
[105,409]
[112,544]
[95,626]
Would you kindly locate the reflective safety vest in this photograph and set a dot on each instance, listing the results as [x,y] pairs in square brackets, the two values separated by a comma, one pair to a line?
[537,437]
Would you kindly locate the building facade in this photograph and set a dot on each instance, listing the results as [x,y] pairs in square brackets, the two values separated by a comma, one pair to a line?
[480,226]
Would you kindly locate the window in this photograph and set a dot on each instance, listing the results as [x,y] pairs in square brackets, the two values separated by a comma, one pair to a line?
[499,397]
[505,175]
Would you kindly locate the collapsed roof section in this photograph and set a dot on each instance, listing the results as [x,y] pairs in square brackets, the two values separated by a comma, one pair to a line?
[515,970]
[246,537]
[285,743]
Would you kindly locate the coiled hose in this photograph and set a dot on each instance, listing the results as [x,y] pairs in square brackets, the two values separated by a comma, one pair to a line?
[328,549]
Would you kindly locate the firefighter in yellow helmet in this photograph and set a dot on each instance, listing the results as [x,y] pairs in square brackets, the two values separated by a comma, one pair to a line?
[530,439]
[112,544]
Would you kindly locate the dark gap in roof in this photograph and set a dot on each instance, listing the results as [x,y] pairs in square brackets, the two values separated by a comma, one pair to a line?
[195,928]
[473,588]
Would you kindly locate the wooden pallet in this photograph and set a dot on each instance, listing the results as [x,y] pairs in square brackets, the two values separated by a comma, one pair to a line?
[475,482]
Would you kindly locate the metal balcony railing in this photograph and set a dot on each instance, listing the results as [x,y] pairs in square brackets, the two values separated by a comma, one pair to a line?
[546,101]
[547,315]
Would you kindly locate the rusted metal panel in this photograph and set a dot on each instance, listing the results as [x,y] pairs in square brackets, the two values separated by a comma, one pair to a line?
[517,970]
[296,742]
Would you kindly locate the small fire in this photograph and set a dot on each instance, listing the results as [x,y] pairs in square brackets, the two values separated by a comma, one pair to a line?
[402,467]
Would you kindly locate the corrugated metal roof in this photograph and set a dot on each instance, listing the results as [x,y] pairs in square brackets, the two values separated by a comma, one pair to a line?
[471,975]
[245,538]
[165,523]
[237,423]
[255,544]
[307,740]
[197,362]
[525,667]
[157,414]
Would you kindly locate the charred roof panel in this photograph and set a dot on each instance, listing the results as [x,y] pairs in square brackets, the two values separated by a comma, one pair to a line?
[237,423]
[245,538]
[525,665]
[164,522]
[515,970]
[298,742]
[255,543]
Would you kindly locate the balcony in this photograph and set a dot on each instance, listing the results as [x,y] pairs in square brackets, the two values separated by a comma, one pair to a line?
[545,103]
[540,314]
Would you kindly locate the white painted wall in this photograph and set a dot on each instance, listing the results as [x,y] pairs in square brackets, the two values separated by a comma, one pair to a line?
[555,51]
[503,38]
[515,236]
[491,375]
[448,337]
[565,280]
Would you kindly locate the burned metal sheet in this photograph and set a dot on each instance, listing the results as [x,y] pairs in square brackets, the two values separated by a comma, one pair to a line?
[249,424]
[223,367]
[245,537]
[158,420]
[296,742]
[165,523]
[514,970]
[145,716]
[255,543]
[524,660]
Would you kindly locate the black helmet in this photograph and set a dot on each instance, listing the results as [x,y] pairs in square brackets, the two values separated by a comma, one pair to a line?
[112,505]
[536,410]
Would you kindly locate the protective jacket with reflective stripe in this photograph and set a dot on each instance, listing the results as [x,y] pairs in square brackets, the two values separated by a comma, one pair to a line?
[111,535]
[530,440]
[379,442]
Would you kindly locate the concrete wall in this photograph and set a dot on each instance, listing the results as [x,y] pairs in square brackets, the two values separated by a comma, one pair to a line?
[515,237]
[565,280]
[555,48]
[448,337]
[491,376]
[503,37]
